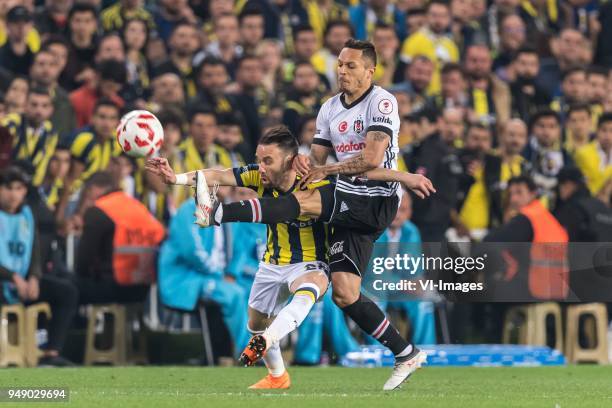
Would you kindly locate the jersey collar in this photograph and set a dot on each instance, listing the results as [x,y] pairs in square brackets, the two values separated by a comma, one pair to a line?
[356,101]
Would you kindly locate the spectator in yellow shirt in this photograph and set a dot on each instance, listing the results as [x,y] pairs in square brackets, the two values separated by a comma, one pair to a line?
[595,159]
[433,41]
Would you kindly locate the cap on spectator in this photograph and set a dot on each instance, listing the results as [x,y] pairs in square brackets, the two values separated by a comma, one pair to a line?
[13,173]
[18,14]
[570,173]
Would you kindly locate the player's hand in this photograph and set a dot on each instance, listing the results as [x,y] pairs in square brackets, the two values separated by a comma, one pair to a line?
[419,184]
[33,288]
[160,167]
[21,285]
[301,164]
[316,174]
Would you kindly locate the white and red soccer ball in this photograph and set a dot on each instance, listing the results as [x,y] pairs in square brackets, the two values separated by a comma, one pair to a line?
[140,133]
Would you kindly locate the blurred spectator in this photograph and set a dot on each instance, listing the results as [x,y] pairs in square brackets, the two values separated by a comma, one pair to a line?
[603,54]
[191,268]
[474,213]
[199,148]
[114,17]
[416,18]
[452,127]
[490,97]
[433,158]
[597,89]
[92,147]
[320,12]
[418,78]
[433,41]
[574,89]
[388,67]
[527,95]
[585,218]
[595,159]
[226,46]
[45,73]
[578,127]
[567,48]
[109,78]
[52,17]
[82,29]
[21,269]
[184,42]
[230,138]
[513,37]
[169,13]
[543,20]
[251,23]
[116,252]
[365,16]
[16,54]
[135,36]
[59,47]
[491,21]
[325,60]
[454,89]
[50,188]
[270,53]
[167,90]
[542,269]
[303,98]
[16,95]
[33,135]
[545,152]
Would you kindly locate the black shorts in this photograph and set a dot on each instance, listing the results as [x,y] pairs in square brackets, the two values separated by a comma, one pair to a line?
[357,220]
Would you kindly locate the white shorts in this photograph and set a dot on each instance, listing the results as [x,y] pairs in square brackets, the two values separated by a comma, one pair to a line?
[270,290]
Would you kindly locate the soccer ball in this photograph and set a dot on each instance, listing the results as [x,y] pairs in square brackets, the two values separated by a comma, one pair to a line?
[140,133]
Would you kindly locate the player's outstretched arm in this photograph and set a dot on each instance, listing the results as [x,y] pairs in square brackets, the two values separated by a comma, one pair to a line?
[160,167]
[419,184]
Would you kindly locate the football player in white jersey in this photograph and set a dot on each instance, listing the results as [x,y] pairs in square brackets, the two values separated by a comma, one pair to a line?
[361,124]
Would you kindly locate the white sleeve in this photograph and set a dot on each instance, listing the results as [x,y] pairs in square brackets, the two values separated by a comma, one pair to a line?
[322,134]
[384,114]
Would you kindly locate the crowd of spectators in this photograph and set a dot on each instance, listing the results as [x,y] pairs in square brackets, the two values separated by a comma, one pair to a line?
[488,91]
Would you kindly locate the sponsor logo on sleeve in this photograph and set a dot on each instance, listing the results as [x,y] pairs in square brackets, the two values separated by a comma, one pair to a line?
[382,119]
[385,106]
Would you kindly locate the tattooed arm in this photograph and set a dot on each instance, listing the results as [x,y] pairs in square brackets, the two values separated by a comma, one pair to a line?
[369,158]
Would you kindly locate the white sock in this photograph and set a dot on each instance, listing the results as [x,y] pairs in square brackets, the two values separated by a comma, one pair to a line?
[292,315]
[274,361]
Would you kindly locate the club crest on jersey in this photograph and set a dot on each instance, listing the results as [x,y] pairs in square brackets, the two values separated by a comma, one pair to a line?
[358,126]
[343,126]
[385,106]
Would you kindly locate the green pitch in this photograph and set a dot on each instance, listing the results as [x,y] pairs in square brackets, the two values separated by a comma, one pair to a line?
[152,387]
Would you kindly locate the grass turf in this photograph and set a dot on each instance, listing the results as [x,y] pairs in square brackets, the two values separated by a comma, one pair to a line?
[552,387]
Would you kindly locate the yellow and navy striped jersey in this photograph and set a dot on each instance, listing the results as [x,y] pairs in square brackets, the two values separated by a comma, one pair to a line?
[114,17]
[194,160]
[34,145]
[93,153]
[299,240]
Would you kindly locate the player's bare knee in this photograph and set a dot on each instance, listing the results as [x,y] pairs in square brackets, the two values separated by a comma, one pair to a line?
[257,322]
[343,297]
[318,278]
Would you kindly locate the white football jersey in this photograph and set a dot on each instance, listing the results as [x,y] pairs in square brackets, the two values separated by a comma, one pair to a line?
[343,127]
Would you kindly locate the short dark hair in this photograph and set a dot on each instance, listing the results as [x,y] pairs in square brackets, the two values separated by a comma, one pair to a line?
[249,11]
[209,61]
[452,67]
[171,116]
[39,90]
[14,173]
[302,28]
[524,179]
[102,179]
[597,70]
[439,3]
[82,8]
[543,113]
[112,70]
[200,110]
[54,39]
[571,71]
[366,47]
[244,58]
[106,102]
[381,25]
[603,119]
[282,137]
[228,119]
[578,107]
[526,49]
[417,11]
[337,23]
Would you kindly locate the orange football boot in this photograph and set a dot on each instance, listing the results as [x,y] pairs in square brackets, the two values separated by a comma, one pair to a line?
[273,383]
[254,351]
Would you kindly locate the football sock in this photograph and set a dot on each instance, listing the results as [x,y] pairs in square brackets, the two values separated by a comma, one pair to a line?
[273,358]
[293,314]
[262,210]
[372,320]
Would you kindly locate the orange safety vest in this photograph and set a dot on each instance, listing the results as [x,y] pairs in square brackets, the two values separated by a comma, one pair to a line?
[137,237]
[548,270]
